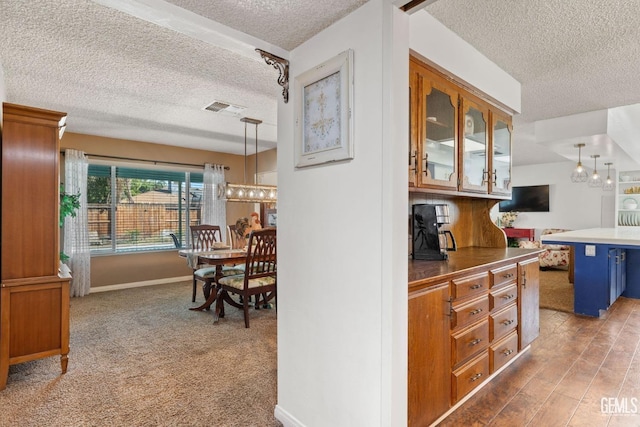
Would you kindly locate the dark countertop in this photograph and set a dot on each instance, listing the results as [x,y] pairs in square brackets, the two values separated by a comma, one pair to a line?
[463,262]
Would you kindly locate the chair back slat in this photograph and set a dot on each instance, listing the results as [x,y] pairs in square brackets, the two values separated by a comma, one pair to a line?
[204,236]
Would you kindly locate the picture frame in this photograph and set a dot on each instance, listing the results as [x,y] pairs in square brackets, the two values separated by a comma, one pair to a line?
[324,112]
[271,217]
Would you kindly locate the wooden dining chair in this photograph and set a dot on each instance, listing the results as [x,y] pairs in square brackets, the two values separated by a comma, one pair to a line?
[203,237]
[259,278]
[234,239]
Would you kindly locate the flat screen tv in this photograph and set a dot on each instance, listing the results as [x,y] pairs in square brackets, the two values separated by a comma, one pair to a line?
[533,198]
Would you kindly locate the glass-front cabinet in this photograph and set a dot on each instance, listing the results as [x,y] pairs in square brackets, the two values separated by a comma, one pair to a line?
[475,174]
[459,143]
[436,135]
[500,182]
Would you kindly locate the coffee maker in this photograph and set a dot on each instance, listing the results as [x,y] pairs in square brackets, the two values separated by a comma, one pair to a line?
[429,241]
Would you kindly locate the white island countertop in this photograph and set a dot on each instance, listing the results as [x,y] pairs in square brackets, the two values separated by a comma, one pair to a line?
[621,236]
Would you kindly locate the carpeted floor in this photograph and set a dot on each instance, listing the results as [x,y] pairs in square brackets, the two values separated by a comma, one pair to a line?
[556,292]
[139,357]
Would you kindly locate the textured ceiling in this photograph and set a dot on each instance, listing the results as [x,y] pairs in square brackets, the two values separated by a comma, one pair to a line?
[570,56]
[120,76]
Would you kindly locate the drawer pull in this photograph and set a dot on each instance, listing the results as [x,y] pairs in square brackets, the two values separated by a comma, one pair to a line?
[476,286]
[507,352]
[475,342]
[476,311]
[476,377]
[507,322]
[508,297]
[508,275]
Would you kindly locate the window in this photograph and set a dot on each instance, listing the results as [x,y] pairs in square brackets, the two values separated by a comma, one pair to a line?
[134,209]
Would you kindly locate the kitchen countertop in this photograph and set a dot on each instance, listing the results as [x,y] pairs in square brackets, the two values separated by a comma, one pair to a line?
[621,236]
[464,261]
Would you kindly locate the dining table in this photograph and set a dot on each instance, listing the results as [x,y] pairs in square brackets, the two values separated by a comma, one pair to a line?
[219,258]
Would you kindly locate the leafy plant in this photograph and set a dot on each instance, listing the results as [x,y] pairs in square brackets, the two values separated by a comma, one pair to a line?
[69,204]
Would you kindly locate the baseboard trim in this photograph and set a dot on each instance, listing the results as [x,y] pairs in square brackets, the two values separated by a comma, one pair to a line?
[286,418]
[139,284]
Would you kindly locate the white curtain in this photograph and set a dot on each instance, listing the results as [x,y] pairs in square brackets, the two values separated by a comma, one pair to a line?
[214,208]
[76,229]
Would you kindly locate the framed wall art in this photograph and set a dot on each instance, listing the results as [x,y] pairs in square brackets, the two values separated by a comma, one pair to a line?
[324,118]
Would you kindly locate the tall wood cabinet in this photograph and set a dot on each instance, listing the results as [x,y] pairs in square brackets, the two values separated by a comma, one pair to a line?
[34,299]
[460,141]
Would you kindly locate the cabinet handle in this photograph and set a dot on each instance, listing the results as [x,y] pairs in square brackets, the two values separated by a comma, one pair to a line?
[507,352]
[476,286]
[414,158]
[507,297]
[507,322]
[485,173]
[426,163]
[476,377]
[495,177]
[508,275]
[524,278]
[476,311]
[475,342]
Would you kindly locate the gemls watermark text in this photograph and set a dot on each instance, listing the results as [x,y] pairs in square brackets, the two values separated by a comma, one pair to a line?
[619,405]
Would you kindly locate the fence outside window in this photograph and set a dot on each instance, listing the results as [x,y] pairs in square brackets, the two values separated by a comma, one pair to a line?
[138,209]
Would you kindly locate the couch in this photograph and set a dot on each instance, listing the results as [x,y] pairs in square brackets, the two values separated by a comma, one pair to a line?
[554,256]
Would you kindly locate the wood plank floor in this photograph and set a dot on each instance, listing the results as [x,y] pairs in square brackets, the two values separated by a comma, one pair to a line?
[575,363]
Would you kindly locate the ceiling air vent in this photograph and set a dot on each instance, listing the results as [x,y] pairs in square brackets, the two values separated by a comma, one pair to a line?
[225,108]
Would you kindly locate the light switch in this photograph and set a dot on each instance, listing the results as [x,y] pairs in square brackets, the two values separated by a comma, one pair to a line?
[590,250]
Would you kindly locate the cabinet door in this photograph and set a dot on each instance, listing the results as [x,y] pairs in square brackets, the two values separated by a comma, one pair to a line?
[474,146]
[528,301]
[429,378]
[617,274]
[500,160]
[438,165]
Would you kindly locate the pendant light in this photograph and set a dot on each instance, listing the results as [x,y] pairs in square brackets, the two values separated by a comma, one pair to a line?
[595,181]
[252,193]
[579,174]
[608,183]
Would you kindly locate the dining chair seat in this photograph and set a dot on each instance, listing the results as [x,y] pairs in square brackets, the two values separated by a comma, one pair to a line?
[210,272]
[237,281]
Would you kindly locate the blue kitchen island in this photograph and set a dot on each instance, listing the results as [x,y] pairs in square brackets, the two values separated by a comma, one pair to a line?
[606,266]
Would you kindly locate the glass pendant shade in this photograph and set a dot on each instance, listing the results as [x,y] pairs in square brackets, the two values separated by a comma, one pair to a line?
[579,173]
[251,193]
[608,183]
[595,180]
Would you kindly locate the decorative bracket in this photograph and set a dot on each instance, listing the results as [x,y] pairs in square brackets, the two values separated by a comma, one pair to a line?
[282,65]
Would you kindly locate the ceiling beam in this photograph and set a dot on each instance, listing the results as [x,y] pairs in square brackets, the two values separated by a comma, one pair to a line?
[185,22]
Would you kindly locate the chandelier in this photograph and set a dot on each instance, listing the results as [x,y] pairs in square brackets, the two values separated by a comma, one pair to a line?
[595,180]
[252,193]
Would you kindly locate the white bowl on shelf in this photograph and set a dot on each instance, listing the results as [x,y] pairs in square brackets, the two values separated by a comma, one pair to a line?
[630,203]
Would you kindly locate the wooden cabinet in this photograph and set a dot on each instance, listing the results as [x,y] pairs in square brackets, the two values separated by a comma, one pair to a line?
[434,130]
[465,321]
[528,302]
[429,380]
[459,142]
[34,300]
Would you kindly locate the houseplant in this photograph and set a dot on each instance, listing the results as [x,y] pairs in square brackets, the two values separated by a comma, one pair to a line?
[69,204]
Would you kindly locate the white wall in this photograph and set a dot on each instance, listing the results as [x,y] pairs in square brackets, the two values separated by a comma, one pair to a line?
[342,265]
[571,205]
[434,42]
